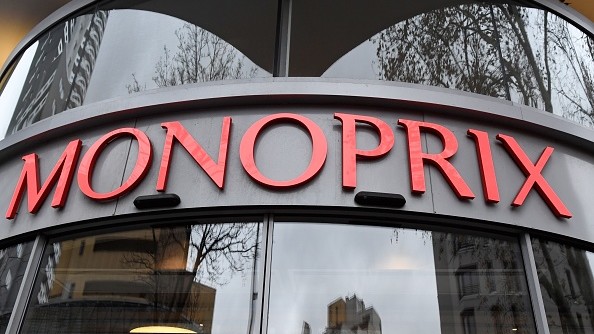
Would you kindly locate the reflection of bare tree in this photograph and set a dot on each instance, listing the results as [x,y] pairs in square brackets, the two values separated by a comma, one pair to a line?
[200,57]
[442,48]
[181,258]
[567,281]
[579,52]
[499,50]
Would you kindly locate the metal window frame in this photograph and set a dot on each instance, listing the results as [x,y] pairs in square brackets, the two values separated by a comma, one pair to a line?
[261,284]
[26,289]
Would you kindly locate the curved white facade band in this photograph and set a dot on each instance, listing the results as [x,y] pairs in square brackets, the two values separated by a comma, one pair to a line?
[299,167]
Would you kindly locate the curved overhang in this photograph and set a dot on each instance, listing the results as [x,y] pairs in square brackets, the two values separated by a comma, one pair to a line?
[22,21]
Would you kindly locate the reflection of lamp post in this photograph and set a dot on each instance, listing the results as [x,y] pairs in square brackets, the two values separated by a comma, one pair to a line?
[162,330]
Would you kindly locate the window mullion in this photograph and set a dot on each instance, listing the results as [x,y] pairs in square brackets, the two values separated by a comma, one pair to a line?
[26,288]
[533,284]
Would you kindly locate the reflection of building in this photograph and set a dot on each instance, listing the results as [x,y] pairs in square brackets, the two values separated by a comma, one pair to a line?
[306,328]
[475,298]
[568,288]
[63,65]
[346,316]
[13,262]
[143,280]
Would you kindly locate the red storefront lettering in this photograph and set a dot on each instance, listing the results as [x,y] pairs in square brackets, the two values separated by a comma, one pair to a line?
[417,157]
[216,171]
[486,165]
[350,152]
[62,172]
[534,177]
[143,162]
[318,157]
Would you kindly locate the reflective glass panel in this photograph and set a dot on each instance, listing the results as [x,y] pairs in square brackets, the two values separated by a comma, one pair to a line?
[131,46]
[495,48]
[196,277]
[566,281]
[13,262]
[339,279]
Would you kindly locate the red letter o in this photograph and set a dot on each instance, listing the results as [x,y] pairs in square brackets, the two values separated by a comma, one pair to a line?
[319,149]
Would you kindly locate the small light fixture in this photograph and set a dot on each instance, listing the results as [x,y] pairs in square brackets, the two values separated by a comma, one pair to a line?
[156,201]
[380,199]
[162,330]
[514,329]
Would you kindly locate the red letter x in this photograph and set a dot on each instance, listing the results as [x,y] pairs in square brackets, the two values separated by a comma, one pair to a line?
[534,177]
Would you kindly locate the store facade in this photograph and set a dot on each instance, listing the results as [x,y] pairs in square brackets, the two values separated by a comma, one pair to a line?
[300,167]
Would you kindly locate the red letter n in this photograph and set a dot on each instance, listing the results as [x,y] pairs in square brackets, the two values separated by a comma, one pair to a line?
[62,173]
[216,171]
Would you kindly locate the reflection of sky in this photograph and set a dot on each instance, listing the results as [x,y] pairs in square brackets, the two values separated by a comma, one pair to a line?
[315,264]
[232,303]
[233,294]
[357,63]
[12,91]
[135,40]
[127,32]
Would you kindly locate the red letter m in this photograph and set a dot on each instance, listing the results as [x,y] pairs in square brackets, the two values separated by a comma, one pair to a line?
[62,174]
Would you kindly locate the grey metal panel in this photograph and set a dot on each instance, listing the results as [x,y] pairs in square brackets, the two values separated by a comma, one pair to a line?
[284,150]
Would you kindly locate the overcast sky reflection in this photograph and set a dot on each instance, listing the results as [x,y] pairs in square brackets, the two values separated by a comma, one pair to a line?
[314,264]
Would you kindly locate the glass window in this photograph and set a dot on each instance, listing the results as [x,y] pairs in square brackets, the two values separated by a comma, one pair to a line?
[338,279]
[13,262]
[115,51]
[495,48]
[566,280]
[197,277]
